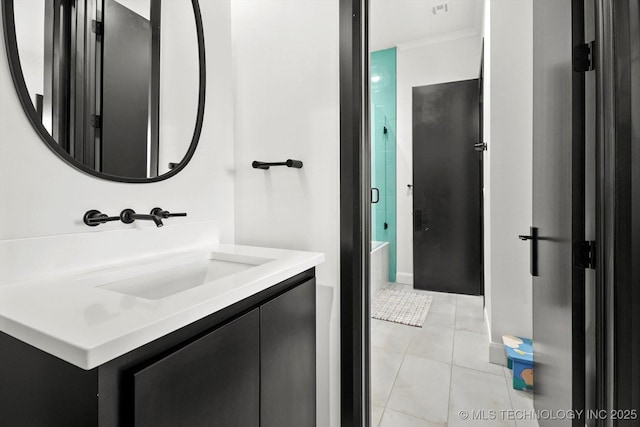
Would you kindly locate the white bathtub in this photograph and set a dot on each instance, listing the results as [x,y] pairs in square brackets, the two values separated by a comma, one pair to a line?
[379,268]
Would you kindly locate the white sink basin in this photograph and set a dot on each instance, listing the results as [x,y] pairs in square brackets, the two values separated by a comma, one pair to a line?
[162,281]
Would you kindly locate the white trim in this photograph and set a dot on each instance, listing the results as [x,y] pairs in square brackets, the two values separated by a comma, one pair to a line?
[496,350]
[404,278]
[440,38]
[496,354]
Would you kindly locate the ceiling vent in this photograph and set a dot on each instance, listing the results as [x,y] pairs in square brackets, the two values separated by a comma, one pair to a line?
[440,8]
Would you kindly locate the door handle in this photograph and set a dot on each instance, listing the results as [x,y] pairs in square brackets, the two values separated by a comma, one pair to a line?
[377,199]
[533,243]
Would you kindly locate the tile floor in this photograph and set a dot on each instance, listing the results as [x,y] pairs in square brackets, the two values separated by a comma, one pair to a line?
[424,377]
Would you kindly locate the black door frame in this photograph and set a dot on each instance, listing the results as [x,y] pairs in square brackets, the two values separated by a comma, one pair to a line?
[355,179]
[626,319]
[617,197]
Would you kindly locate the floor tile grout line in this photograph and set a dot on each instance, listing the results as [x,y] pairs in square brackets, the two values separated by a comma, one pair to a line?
[506,383]
[404,355]
[477,370]
[394,286]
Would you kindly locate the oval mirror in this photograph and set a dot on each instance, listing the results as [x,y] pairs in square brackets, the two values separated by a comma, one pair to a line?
[114,87]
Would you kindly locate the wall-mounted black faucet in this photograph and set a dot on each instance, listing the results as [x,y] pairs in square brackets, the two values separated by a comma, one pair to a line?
[128,216]
[94,218]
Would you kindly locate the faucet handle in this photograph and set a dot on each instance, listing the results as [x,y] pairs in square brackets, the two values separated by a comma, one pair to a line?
[166,214]
[94,217]
[127,216]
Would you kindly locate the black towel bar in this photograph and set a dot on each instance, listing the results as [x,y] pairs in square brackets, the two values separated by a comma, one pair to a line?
[289,163]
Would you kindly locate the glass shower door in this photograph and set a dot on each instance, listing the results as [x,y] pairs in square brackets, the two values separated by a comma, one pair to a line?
[383,153]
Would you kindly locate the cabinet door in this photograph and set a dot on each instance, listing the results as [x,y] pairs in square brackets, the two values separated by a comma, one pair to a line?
[213,381]
[288,358]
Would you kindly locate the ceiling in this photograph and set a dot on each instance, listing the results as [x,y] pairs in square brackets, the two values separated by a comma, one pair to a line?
[412,22]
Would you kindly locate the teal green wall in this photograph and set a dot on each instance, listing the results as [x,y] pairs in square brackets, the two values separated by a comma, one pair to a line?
[383,150]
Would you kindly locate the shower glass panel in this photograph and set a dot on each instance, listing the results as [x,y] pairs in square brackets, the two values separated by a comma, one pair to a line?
[383,151]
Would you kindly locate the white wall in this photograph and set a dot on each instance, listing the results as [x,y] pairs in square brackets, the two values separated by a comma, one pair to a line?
[141,7]
[418,66]
[42,199]
[508,184]
[285,55]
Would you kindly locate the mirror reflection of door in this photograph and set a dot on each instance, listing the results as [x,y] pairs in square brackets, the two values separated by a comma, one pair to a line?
[130,92]
[101,83]
[115,92]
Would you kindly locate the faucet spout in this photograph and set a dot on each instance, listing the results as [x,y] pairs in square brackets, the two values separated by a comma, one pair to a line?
[157,220]
[128,216]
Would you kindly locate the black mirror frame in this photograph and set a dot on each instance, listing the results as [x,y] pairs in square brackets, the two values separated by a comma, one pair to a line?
[11,46]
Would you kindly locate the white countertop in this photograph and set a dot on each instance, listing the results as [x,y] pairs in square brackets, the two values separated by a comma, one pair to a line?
[75,319]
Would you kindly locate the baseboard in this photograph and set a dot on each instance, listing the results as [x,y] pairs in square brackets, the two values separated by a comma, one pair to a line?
[496,350]
[496,354]
[404,278]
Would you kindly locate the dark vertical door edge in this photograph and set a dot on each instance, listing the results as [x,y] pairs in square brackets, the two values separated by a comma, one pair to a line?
[605,206]
[481,177]
[354,224]
[625,318]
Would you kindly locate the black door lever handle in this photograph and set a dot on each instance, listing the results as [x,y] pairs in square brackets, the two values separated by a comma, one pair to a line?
[533,237]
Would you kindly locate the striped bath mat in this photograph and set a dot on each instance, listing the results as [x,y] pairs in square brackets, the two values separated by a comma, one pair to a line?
[403,307]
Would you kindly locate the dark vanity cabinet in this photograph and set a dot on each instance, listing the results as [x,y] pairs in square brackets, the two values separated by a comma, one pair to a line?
[251,364]
[213,380]
[288,359]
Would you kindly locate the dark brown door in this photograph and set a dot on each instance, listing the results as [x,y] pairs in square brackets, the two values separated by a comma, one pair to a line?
[447,185]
